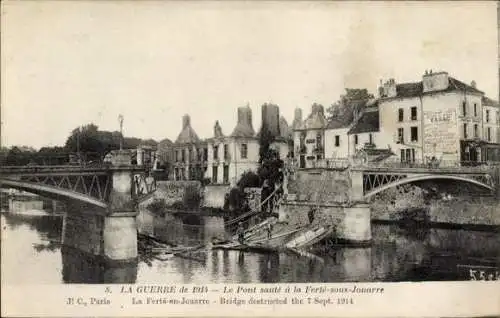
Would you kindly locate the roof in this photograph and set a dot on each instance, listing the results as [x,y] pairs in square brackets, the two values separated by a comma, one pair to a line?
[415,89]
[187,135]
[284,128]
[489,102]
[368,122]
[315,120]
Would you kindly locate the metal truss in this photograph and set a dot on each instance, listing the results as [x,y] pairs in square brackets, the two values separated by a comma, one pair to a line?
[483,178]
[372,181]
[92,185]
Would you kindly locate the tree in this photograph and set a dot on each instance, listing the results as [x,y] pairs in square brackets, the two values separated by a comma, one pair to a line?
[349,103]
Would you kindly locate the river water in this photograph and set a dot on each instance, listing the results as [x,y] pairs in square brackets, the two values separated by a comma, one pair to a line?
[32,254]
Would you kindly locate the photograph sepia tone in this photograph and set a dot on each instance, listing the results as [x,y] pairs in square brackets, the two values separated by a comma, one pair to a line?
[331,147]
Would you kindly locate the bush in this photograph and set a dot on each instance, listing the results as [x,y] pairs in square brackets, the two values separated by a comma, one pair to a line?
[236,200]
[249,179]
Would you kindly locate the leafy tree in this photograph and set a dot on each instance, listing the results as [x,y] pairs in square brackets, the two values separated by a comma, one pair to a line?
[349,103]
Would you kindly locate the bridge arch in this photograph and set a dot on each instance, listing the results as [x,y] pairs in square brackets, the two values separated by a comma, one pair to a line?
[51,192]
[425,177]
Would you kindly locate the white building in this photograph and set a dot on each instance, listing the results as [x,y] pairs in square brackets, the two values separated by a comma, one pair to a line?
[439,117]
[230,156]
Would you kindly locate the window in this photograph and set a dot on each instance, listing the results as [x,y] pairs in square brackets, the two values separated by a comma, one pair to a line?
[337,141]
[318,140]
[225,174]
[414,113]
[464,108]
[183,155]
[488,133]
[475,110]
[465,131]
[487,116]
[176,172]
[370,139]
[216,152]
[414,134]
[355,139]
[401,135]
[401,115]
[226,151]
[176,155]
[205,154]
[244,151]
[407,155]
[475,131]
[498,117]
[214,174]
[190,154]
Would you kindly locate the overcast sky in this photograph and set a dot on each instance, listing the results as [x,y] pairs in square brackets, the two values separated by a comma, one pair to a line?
[68,63]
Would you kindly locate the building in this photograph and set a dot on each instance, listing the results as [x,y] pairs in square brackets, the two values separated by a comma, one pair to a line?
[230,156]
[309,138]
[190,154]
[438,117]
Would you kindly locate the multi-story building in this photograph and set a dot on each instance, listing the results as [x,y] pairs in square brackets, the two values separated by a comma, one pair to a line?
[438,117]
[190,153]
[309,138]
[230,156]
[225,158]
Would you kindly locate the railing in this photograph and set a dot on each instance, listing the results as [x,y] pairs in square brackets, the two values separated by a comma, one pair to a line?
[344,163]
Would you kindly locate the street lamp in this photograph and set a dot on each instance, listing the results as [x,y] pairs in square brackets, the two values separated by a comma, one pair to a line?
[78,144]
[120,120]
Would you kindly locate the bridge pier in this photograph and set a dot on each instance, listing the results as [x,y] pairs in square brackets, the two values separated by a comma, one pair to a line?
[110,233]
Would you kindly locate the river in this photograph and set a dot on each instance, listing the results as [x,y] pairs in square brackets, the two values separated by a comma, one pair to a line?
[32,254]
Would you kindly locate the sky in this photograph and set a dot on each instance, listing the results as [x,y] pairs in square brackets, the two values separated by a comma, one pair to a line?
[70,63]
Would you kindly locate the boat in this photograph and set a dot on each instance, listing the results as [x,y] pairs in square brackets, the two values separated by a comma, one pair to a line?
[309,236]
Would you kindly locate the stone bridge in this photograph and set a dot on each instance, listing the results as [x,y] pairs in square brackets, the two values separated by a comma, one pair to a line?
[102,201]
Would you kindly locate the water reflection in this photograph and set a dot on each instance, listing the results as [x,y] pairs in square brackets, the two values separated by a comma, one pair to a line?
[79,268]
[33,245]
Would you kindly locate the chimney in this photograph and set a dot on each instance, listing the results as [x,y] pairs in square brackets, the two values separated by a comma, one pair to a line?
[217,130]
[473,84]
[298,115]
[245,117]
[186,121]
[270,118]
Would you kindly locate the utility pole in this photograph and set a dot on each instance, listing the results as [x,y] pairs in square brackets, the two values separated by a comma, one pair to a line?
[120,120]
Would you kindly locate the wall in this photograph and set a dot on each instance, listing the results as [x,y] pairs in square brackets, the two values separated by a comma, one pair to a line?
[237,165]
[173,191]
[350,223]
[493,123]
[455,211]
[332,151]
[320,185]
[462,211]
[389,124]
[311,134]
[381,141]
[214,195]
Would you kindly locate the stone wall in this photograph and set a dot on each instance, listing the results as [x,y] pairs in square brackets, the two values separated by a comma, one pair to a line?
[173,191]
[480,211]
[214,195]
[463,211]
[320,185]
[351,223]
